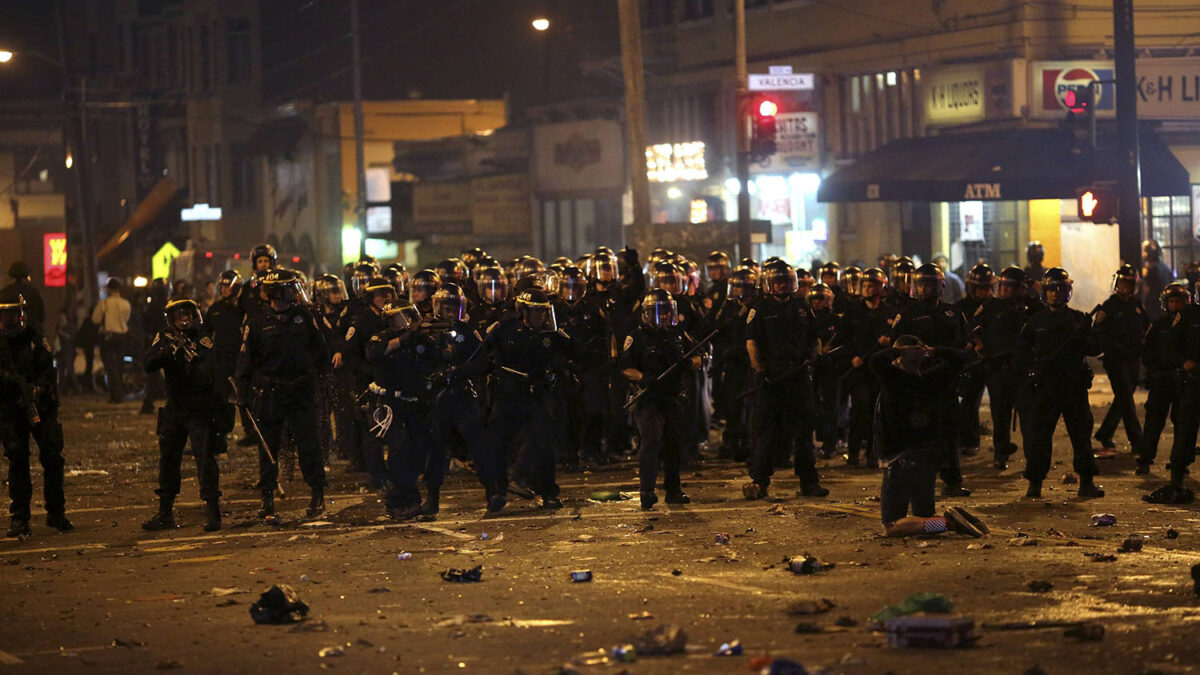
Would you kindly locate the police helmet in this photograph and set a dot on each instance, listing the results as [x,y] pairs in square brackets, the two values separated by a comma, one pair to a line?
[659,309]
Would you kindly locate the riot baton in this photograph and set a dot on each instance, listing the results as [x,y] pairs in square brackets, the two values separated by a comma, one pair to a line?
[254,423]
[682,360]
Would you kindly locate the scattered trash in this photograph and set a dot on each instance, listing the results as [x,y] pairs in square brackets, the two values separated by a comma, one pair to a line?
[379,589]
[944,632]
[1070,479]
[807,627]
[217,591]
[929,603]
[1039,586]
[460,619]
[88,415]
[278,605]
[327,652]
[733,648]
[85,472]
[1132,544]
[583,538]
[977,547]
[607,496]
[118,642]
[1101,557]
[846,622]
[483,536]
[666,639]
[676,572]
[777,510]
[273,520]
[168,664]
[310,627]
[641,616]
[317,523]
[1023,541]
[807,564]
[1172,533]
[624,653]
[227,602]
[805,607]
[1104,520]
[404,555]
[581,576]
[1087,632]
[722,538]
[463,576]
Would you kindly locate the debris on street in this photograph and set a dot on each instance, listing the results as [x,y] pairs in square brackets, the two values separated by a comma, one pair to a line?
[279,604]
[457,575]
[664,640]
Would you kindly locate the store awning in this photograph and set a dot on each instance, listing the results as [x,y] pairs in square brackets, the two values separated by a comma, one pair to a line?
[996,166]
[147,211]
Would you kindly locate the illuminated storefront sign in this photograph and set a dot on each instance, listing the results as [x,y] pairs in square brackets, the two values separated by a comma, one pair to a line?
[671,162]
[54,258]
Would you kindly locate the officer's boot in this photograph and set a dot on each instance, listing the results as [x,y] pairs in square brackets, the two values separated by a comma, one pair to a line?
[268,504]
[1088,488]
[430,506]
[813,489]
[18,528]
[165,518]
[1035,489]
[648,499]
[316,504]
[212,509]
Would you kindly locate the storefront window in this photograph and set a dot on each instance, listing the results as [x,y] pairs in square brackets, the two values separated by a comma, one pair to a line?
[987,232]
[1170,220]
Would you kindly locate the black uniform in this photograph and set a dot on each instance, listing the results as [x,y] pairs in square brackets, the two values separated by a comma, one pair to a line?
[587,390]
[26,363]
[866,331]
[1054,345]
[731,376]
[826,324]
[617,301]
[336,395]
[998,326]
[364,323]
[224,320]
[661,414]
[1121,324]
[1162,354]
[282,355]
[458,407]
[971,382]
[189,364]
[402,390]
[782,414]
[525,365]
[1187,416]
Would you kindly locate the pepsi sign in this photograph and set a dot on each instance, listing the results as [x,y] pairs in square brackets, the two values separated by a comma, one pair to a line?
[1052,80]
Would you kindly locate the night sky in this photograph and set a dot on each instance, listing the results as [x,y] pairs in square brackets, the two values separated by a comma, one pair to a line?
[433,48]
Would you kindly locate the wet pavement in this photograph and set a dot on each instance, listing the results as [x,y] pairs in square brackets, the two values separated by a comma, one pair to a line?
[112,598]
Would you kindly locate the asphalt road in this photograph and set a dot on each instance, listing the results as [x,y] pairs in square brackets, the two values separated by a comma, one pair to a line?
[112,598]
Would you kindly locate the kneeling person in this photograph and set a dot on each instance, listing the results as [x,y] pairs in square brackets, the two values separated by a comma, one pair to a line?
[184,352]
[910,425]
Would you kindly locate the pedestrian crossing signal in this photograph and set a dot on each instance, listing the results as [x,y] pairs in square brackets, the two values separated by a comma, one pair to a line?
[1096,204]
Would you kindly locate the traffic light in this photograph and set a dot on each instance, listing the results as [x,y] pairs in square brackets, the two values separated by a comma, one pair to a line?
[1096,203]
[1080,99]
[762,138]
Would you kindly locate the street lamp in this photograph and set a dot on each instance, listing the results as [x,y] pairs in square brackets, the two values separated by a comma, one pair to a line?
[540,24]
[5,56]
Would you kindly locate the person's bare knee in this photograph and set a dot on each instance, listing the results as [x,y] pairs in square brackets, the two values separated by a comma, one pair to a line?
[905,527]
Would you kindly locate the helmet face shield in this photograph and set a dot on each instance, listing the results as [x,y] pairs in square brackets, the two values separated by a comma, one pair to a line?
[401,316]
[328,289]
[606,270]
[493,290]
[780,282]
[1057,293]
[13,319]
[659,309]
[572,289]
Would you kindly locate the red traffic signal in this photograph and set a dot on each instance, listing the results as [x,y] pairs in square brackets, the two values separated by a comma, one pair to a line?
[1096,203]
[762,137]
[1079,98]
[767,108]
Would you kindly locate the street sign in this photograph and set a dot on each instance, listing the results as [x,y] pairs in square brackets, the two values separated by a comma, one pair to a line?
[160,262]
[200,212]
[794,82]
[779,70]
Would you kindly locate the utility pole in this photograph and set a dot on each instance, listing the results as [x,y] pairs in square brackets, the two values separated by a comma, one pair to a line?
[635,104]
[360,192]
[743,133]
[1129,177]
[74,139]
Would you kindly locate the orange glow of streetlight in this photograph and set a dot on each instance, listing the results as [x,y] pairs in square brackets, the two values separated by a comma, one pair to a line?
[5,56]
[541,24]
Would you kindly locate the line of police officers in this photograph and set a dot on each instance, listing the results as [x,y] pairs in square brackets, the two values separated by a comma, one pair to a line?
[523,367]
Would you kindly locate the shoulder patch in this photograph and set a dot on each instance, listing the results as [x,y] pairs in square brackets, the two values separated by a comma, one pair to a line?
[628,343]
[206,342]
[750,316]
[349,333]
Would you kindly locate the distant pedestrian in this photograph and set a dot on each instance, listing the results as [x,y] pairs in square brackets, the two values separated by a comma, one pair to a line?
[1155,277]
[112,318]
[955,288]
[35,309]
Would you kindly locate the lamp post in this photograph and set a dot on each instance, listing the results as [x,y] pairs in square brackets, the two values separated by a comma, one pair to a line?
[541,24]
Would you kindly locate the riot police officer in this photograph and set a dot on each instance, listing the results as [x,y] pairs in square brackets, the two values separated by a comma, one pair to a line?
[587,391]
[1054,345]
[402,361]
[1121,322]
[651,357]
[360,277]
[900,284]
[282,354]
[866,331]
[421,289]
[224,323]
[336,394]
[492,286]
[527,353]
[731,366]
[29,407]
[979,288]
[997,325]
[717,266]
[263,259]
[848,282]
[1187,414]
[185,353]
[397,275]
[826,323]
[779,342]
[1035,254]
[617,284]
[1162,354]
[375,294]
